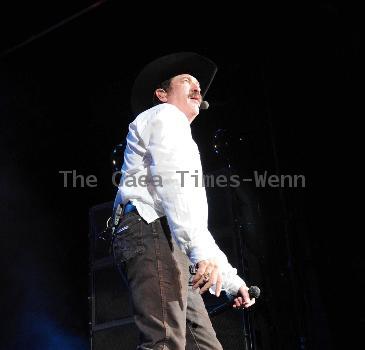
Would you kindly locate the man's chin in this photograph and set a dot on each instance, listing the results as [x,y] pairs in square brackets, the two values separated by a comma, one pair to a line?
[196,109]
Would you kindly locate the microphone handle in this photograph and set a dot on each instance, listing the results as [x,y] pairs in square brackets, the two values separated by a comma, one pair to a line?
[253,292]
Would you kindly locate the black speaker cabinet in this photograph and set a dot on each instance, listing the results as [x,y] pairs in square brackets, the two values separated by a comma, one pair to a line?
[123,336]
[111,325]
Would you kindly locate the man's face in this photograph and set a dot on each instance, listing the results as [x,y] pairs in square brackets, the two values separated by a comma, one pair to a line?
[184,93]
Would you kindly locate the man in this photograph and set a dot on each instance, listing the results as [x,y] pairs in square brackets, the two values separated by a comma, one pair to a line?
[164,226]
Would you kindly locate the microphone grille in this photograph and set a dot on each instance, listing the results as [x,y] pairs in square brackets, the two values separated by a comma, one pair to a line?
[204,105]
[254,292]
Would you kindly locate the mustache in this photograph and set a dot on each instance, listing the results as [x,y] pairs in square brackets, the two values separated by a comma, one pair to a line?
[195,95]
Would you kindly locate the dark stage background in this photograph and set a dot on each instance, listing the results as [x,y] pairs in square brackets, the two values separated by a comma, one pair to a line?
[285,86]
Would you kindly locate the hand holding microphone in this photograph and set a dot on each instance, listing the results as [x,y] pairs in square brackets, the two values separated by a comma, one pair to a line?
[236,301]
[246,297]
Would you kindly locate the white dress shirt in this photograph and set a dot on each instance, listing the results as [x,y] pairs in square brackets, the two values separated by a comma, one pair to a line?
[159,148]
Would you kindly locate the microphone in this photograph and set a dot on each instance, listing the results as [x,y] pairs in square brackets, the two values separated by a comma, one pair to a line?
[204,105]
[253,292]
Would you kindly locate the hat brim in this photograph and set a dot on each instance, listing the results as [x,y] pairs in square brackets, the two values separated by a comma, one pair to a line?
[166,67]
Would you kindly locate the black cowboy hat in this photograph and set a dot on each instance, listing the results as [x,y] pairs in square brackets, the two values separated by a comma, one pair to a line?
[166,67]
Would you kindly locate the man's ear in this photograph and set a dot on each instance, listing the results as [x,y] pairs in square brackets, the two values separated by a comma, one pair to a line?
[161,94]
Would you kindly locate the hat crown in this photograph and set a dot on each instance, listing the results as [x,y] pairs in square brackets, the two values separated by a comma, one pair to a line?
[166,67]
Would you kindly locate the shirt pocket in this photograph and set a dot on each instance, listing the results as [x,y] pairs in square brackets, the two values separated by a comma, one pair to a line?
[127,239]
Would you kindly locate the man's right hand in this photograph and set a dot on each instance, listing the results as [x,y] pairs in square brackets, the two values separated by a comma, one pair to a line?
[208,274]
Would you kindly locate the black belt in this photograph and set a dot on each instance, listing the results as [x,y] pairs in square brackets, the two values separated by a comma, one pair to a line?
[129,207]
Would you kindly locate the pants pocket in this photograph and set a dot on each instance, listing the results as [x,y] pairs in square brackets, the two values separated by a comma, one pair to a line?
[128,241]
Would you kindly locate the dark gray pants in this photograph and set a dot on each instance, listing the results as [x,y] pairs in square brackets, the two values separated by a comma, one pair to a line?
[167,311]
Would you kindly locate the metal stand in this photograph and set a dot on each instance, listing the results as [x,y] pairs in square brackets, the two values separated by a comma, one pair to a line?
[222,143]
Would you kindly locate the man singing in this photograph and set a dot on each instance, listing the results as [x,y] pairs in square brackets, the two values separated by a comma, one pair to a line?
[163,228]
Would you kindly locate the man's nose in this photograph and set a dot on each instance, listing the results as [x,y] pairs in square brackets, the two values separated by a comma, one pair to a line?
[195,87]
[196,90]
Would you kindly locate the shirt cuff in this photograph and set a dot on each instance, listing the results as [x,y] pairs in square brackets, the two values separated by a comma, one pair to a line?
[234,285]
